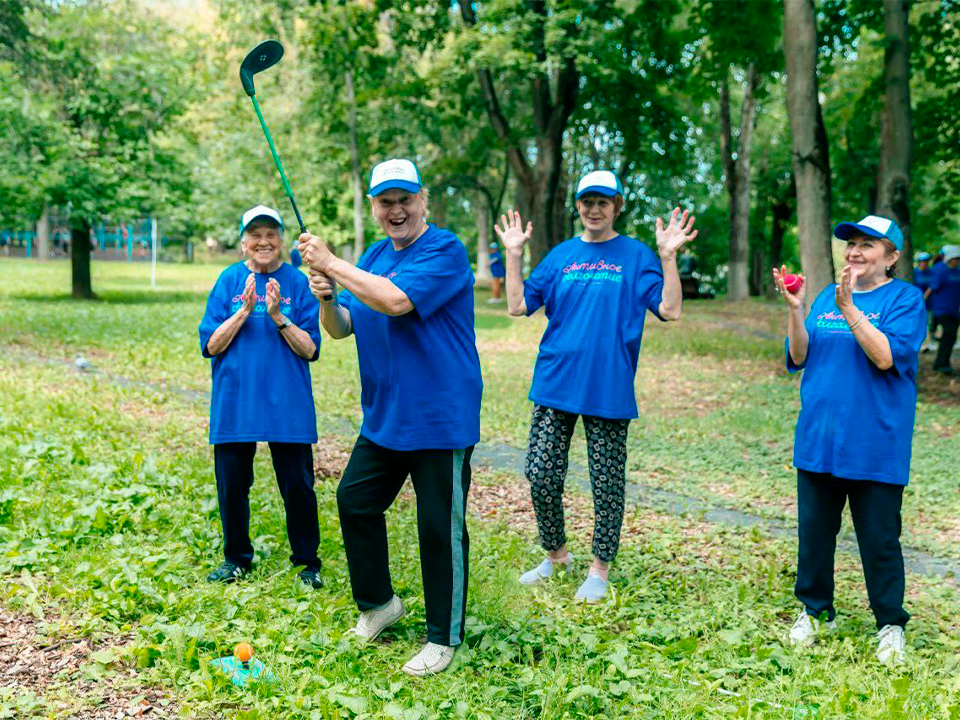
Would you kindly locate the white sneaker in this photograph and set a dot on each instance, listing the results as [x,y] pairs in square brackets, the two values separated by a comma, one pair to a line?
[373,622]
[544,570]
[891,650]
[805,629]
[431,660]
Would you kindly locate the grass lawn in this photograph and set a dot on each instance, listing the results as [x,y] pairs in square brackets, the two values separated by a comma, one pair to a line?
[109,523]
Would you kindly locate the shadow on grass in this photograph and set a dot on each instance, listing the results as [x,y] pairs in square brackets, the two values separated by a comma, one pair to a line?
[119,297]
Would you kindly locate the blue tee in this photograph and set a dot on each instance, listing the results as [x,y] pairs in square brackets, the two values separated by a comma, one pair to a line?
[261,387]
[945,283]
[596,297]
[419,372]
[921,278]
[856,420]
[496,264]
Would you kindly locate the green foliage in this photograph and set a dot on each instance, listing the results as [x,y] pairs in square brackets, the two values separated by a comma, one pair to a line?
[108,515]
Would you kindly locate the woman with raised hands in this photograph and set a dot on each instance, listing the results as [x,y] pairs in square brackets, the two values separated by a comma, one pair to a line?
[859,347]
[596,289]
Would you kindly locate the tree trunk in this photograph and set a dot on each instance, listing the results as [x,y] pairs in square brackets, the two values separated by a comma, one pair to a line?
[482,213]
[553,98]
[896,144]
[80,258]
[781,213]
[810,149]
[359,239]
[43,234]
[737,173]
[438,205]
[759,267]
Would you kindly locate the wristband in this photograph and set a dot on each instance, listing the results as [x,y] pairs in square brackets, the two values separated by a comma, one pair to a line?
[860,319]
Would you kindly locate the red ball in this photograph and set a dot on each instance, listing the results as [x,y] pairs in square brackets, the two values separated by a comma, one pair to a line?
[792,283]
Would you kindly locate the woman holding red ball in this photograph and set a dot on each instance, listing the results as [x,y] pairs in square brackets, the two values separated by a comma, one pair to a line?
[860,346]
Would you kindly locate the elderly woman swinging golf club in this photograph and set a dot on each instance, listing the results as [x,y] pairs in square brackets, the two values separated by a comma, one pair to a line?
[261,330]
[860,346]
[409,303]
[596,289]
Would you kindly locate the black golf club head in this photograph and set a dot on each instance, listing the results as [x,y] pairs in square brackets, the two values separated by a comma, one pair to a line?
[263,56]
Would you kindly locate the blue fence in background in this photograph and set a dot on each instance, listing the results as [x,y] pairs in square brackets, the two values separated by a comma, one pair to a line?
[119,238]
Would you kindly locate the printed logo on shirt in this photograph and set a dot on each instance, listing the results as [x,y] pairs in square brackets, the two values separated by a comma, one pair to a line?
[600,271]
[260,309]
[834,322]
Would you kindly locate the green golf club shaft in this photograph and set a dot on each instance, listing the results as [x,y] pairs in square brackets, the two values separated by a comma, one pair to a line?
[276,159]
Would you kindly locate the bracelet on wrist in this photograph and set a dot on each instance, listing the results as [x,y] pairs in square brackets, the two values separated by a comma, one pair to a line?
[860,319]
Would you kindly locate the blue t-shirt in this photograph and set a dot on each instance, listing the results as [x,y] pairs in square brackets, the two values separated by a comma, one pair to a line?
[496,264]
[921,278]
[419,372]
[261,387]
[596,296]
[945,283]
[856,420]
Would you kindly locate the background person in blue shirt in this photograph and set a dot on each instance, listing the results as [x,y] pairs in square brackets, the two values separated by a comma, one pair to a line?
[944,295]
[498,271]
[921,278]
[596,289]
[409,304]
[261,330]
[860,346]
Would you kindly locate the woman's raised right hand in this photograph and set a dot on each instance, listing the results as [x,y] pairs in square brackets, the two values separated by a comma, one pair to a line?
[250,294]
[512,235]
[793,300]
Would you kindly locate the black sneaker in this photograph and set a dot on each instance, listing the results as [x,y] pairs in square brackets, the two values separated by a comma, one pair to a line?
[228,572]
[310,576]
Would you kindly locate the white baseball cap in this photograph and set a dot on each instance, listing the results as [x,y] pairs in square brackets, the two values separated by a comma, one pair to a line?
[259,212]
[601,182]
[950,252]
[874,226]
[395,173]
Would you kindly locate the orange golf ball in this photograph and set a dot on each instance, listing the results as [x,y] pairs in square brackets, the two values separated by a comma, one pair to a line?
[243,652]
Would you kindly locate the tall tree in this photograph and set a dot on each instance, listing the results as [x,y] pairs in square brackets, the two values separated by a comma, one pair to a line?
[737,47]
[554,100]
[736,170]
[896,140]
[811,156]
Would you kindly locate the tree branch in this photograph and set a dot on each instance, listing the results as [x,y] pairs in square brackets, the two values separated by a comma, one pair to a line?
[495,113]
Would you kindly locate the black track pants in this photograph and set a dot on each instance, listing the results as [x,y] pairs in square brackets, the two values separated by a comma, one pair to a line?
[875,508]
[293,464]
[441,480]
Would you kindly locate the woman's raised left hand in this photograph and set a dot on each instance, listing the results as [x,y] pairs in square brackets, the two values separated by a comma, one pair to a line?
[676,234]
[844,289]
[273,298]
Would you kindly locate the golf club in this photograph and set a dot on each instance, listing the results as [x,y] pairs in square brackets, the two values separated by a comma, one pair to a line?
[264,56]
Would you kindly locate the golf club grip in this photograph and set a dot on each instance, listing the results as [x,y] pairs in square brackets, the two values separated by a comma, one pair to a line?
[303,230]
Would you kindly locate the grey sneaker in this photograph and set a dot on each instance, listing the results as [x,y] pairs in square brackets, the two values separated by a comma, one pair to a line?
[543,571]
[373,622]
[892,647]
[593,589]
[806,627]
[431,660]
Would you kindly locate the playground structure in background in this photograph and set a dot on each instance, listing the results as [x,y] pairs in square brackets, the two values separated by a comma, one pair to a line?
[108,240]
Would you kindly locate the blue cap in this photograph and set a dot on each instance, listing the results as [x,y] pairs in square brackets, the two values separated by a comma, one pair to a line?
[921,256]
[872,225]
[599,182]
[395,174]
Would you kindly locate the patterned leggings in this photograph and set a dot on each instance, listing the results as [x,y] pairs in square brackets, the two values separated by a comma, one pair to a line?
[546,469]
